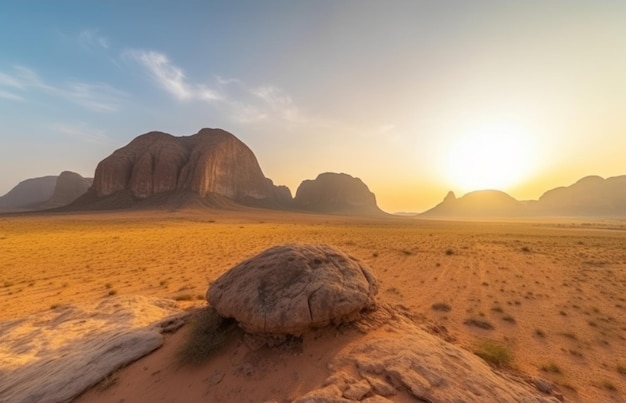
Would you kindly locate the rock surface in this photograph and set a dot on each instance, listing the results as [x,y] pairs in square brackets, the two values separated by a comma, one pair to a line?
[482,203]
[423,365]
[69,187]
[336,193]
[29,193]
[211,161]
[55,355]
[290,288]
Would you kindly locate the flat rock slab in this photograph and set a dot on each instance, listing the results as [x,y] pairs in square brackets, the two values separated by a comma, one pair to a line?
[288,289]
[423,365]
[55,355]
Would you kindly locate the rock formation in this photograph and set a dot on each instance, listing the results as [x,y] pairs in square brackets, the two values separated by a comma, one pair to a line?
[55,355]
[482,203]
[69,187]
[210,162]
[291,288]
[336,193]
[29,193]
[428,368]
[590,196]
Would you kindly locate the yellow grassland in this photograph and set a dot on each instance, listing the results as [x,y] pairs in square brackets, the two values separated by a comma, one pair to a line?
[554,292]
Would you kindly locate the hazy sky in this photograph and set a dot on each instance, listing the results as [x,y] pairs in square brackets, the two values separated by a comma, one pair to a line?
[414,97]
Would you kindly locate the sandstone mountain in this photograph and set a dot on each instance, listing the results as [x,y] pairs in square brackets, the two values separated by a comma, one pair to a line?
[338,194]
[29,193]
[590,196]
[69,187]
[482,203]
[157,168]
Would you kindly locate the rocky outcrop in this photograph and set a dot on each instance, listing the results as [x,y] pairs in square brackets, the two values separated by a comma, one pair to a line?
[211,161]
[424,366]
[336,193]
[55,355]
[69,187]
[482,203]
[590,196]
[291,288]
[29,193]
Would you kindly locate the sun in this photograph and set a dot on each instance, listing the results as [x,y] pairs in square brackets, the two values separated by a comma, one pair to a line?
[489,158]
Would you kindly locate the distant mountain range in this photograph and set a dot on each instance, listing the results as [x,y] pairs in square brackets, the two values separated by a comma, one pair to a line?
[214,169]
[45,192]
[591,196]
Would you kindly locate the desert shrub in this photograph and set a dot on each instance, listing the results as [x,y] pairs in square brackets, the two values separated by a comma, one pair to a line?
[508,318]
[540,333]
[551,367]
[621,369]
[209,332]
[525,249]
[494,353]
[449,252]
[608,385]
[441,306]
[483,324]
[112,292]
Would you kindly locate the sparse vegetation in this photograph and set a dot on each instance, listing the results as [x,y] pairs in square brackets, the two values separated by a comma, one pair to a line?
[494,353]
[449,252]
[483,324]
[112,292]
[525,249]
[621,369]
[608,385]
[508,318]
[208,333]
[441,306]
[540,333]
[552,368]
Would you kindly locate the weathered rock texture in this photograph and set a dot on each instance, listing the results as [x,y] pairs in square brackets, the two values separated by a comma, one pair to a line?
[290,288]
[422,365]
[29,193]
[53,356]
[211,161]
[336,193]
[590,196]
[69,187]
[482,203]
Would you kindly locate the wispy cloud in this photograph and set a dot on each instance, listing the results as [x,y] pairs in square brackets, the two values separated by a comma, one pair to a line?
[82,132]
[242,102]
[169,76]
[9,95]
[91,39]
[17,84]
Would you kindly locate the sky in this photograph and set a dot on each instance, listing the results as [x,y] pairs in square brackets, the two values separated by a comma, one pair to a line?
[415,98]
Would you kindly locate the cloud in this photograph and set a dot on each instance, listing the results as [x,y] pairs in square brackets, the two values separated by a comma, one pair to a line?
[168,76]
[241,102]
[82,132]
[93,96]
[91,39]
[11,96]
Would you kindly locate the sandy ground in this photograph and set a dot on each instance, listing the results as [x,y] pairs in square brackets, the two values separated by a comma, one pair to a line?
[553,291]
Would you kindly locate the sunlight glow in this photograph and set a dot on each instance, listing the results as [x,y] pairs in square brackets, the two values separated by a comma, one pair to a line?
[495,157]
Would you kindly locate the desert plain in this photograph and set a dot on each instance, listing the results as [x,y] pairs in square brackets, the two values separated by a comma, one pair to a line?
[549,293]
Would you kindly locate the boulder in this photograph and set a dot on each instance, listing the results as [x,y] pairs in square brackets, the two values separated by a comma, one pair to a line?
[290,288]
[336,193]
[212,161]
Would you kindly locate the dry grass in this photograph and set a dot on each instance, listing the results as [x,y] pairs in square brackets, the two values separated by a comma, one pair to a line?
[578,269]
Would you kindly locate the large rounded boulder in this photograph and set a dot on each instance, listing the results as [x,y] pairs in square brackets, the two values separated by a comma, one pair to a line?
[290,288]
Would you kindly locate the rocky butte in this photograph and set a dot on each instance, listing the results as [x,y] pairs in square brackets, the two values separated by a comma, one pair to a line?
[336,193]
[211,163]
